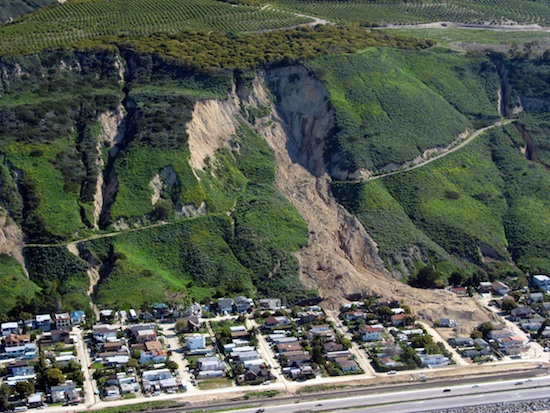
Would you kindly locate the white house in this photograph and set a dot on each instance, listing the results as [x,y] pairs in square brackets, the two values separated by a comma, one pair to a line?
[371,333]
[541,281]
[196,341]
[434,359]
[62,321]
[154,375]
[500,288]
[44,322]
[243,303]
[210,363]
[9,328]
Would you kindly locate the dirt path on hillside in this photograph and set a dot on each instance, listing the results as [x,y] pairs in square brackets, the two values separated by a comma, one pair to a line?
[454,25]
[462,144]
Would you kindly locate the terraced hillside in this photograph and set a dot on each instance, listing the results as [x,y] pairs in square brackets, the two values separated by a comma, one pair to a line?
[75,21]
[404,12]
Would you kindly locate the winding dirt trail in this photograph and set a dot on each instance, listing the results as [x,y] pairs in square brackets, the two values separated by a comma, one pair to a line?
[462,144]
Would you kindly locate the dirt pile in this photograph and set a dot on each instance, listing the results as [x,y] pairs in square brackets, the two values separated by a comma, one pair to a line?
[11,238]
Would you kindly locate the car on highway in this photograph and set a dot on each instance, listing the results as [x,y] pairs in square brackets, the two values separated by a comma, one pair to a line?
[446,390]
[518,382]
[260,410]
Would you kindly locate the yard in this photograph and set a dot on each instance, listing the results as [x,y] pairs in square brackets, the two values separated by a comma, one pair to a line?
[215,383]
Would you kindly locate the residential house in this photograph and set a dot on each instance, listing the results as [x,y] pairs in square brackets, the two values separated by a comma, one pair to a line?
[462,342]
[283,348]
[371,333]
[44,322]
[153,353]
[58,336]
[346,364]
[196,341]
[536,297]
[19,346]
[106,316]
[499,334]
[296,358]
[35,400]
[270,303]
[307,317]
[161,310]
[512,345]
[238,331]
[156,375]
[78,317]
[210,364]
[16,340]
[256,374]
[322,330]
[103,333]
[546,307]
[241,356]
[500,288]
[62,321]
[462,291]
[111,392]
[332,346]
[434,360]
[522,312]
[63,392]
[398,320]
[225,305]
[355,315]
[143,336]
[243,304]
[541,281]
[485,287]
[193,324]
[9,328]
[20,368]
[280,321]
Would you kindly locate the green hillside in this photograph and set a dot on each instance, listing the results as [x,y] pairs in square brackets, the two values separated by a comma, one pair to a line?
[404,12]
[393,105]
[480,203]
[15,288]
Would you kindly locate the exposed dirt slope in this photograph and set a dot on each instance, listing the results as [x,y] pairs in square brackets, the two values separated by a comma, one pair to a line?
[11,239]
[341,257]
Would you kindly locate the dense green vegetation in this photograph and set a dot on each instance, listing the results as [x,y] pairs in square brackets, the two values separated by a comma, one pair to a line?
[460,37]
[404,12]
[392,105]
[62,277]
[15,288]
[470,205]
[48,115]
[486,195]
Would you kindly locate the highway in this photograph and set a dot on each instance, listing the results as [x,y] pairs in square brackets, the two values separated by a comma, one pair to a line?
[421,400]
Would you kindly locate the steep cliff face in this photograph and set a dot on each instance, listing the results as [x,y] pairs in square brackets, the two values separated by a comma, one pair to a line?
[11,238]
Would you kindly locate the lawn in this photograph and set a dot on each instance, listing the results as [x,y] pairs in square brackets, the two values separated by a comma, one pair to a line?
[215,383]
